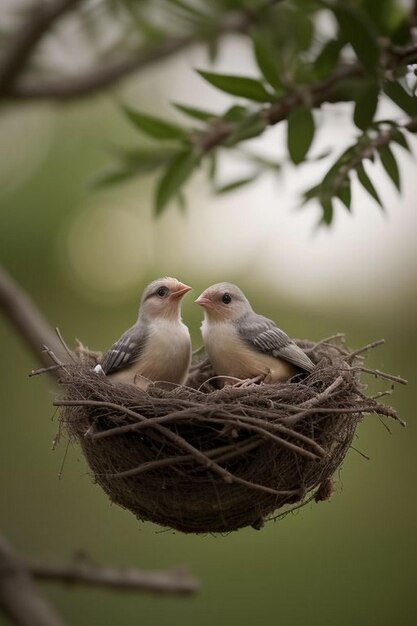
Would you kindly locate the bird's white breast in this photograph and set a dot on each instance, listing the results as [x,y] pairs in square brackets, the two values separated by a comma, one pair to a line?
[166,356]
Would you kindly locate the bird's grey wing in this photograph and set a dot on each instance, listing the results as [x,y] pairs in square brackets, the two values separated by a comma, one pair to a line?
[125,351]
[264,335]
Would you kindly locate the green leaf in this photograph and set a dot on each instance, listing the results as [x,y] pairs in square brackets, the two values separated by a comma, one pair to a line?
[266,57]
[182,202]
[359,31]
[367,184]
[174,177]
[197,114]
[390,166]
[253,126]
[152,32]
[327,206]
[399,138]
[313,192]
[143,161]
[112,177]
[241,182]
[387,14]
[366,104]
[212,44]
[236,113]
[300,133]
[302,31]
[133,163]
[401,98]
[263,162]
[328,58]
[153,126]
[401,34]
[344,194]
[188,9]
[241,86]
[212,161]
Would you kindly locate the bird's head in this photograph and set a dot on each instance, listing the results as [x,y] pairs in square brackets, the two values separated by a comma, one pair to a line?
[224,302]
[162,298]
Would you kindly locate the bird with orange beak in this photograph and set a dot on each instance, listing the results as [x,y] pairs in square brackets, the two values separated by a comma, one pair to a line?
[244,345]
[158,346]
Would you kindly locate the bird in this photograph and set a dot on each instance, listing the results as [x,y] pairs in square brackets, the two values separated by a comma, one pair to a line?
[244,345]
[158,346]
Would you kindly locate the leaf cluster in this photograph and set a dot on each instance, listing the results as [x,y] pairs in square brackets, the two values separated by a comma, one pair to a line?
[300,67]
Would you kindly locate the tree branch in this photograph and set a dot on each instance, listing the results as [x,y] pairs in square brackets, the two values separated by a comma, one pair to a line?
[40,18]
[100,77]
[24,605]
[28,321]
[129,579]
[406,55]
[19,598]
[314,95]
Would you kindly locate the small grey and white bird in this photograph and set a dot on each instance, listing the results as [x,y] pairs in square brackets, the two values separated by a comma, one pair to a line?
[158,346]
[241,344]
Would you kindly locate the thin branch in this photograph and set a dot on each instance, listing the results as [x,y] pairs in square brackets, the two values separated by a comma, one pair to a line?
[315,95]
[28,321]
[327,393]
[127,579]
[362,454]
[406,55]
[41,16]
[102,76]
[44,370]
[64,344]
[327,340]
[381,394]
[268,435]
[98,78]
[378,374]
[309,405]
[368,346]
[225,452]
[23,604]
[285,431]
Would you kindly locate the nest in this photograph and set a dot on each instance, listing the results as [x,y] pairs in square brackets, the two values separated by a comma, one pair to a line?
[201,459]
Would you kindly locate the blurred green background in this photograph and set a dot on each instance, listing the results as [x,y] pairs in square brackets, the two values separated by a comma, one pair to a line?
[84,257]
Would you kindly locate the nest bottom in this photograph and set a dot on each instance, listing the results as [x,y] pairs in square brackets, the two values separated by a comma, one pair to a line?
[200,459]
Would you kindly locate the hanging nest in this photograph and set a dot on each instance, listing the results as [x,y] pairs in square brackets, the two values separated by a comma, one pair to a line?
[201,459]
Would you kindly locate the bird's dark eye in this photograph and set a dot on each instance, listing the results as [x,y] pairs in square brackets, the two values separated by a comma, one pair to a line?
[227,298]
[162,292]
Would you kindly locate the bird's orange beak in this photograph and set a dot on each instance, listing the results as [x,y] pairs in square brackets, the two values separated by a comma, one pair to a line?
[204,301]
[180,291]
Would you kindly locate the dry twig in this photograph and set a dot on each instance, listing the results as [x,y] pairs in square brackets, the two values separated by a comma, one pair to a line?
[176,581]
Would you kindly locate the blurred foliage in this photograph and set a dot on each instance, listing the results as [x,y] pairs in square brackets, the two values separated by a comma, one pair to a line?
[308,52]
[349,561]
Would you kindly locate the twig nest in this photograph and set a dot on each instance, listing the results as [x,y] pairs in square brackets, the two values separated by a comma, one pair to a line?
[200,459]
